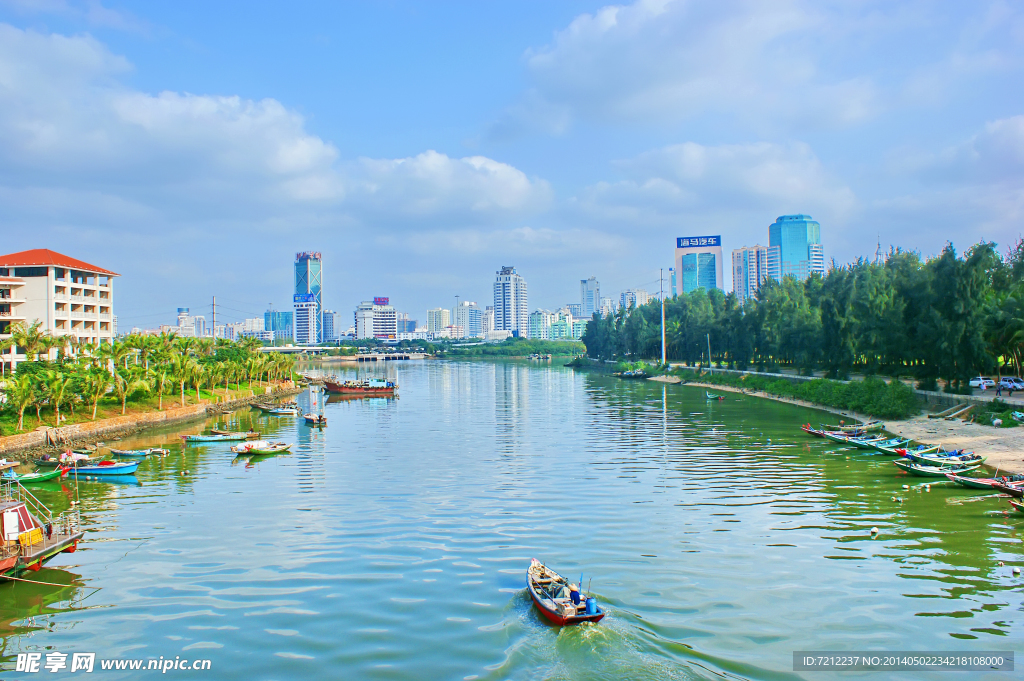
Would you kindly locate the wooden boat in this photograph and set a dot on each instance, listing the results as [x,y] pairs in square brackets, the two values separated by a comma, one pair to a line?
[109,468]
[887,446]
[844,439]
[902,451]
[33,534]
[866,442]
[1017,505]
[235,437]
[1009,488]
[986,483]
[249,435]
[546,588]
[941,458]
[928,471]
[246,446]
[713,396]
[315,419]
[68,458]
[29,478]
[371,386]
[269,448]
[866,427]
[283,411]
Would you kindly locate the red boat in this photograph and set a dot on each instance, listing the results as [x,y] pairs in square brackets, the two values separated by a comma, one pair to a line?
[30,540]
[551,593]
[372,386]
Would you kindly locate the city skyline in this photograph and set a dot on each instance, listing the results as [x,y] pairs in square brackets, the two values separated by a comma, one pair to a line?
[578,138]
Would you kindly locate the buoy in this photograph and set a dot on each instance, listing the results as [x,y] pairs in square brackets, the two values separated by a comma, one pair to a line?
[1016,570]
[927,488]
[894,498]
[1001,563]
[874,530]
[906,486]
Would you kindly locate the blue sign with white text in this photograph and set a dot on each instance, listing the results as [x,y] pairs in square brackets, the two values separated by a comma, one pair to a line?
[698,241]
[304,298]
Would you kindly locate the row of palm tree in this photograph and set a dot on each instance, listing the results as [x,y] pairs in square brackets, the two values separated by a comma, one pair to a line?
[84,374]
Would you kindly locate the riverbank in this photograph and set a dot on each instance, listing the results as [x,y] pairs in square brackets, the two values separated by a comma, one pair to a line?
[1004,447]
[26,446]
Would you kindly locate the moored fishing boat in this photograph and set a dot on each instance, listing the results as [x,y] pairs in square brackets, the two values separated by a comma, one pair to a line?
[842,438]
[32,534]
[986,483]
[865,427]
[713,396]
[941,458]
[315,419]
[269,448]
[930,471]
[246,446]
[28,478]
[236,437]
[249,434]
[1009,488]
[370,386]
[902,451]
[1017,505]
[109,468]
[72,459]
[888,446]
[139,453]
[866,442]
[553,596]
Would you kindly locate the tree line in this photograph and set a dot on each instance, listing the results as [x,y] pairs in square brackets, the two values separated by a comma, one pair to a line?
[946,318]
[83,375]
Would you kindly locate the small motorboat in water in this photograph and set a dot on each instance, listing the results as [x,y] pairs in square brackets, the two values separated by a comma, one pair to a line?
[558,601]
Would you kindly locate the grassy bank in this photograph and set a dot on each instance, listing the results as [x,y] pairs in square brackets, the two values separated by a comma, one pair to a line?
[871,396]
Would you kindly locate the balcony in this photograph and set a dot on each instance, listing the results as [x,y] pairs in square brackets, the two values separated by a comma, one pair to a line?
[78,314]
[105,316]
[78,299]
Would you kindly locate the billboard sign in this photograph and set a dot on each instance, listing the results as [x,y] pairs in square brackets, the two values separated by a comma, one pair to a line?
[304,298]
[698,241]
[380,301]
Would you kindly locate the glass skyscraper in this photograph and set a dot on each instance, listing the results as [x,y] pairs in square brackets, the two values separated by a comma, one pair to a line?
[794,247]
[698,263]
[308,285]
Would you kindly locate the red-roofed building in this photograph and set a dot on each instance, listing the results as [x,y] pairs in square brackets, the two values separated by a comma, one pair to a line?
[69,297]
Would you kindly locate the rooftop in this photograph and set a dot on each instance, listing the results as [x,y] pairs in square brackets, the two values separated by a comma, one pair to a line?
[44,256]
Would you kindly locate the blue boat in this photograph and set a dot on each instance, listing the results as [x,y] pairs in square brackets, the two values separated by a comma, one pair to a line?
[119,468]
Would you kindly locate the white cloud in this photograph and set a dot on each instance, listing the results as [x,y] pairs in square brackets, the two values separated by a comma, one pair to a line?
[69,127]
[666,61]
[683,181]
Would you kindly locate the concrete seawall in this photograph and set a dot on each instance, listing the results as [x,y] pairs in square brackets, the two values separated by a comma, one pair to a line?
[90,431]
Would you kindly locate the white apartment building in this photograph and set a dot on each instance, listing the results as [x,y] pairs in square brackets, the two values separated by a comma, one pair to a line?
[376,319]
[438,319]
[487,320]
[67,296]
[469,316]
[540,323]
[307,320]
[634,298]
[749,270]
[590,297]
[510,303]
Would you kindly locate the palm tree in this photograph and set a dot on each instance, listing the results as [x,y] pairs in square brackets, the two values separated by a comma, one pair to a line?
[97,381]
[197,376]
[181,369]
[56,386]
[5,345]
[30,339]
[21,392]
[127,381]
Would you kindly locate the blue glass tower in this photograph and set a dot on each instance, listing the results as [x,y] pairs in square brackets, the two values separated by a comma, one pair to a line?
[794,247]
[308,286]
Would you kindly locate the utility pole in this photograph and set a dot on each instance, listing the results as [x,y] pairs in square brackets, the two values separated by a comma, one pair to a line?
[661,285]
[709,352]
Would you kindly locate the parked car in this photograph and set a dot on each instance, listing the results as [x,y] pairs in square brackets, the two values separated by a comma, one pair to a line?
[1011,383]
[978,381]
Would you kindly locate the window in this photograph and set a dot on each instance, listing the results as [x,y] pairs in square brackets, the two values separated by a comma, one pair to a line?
[30,271]
[59,273]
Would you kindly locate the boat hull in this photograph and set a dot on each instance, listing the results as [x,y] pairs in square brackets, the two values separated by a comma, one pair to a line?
[556,618]
[933,471]
[125,468]
[340,389]
[24,563]
[972,483]
[38,477]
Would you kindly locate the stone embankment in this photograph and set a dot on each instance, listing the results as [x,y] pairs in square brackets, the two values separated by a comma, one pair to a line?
[24,445]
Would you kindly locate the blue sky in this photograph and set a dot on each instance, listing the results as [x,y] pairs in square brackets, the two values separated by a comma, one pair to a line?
[195,147]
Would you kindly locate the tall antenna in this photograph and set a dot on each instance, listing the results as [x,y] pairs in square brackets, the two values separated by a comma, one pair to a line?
[878,250]
[214,334]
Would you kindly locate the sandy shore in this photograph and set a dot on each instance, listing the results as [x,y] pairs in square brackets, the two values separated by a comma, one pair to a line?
[1004,447]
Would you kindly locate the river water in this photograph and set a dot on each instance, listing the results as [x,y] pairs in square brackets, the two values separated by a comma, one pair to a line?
[393,544]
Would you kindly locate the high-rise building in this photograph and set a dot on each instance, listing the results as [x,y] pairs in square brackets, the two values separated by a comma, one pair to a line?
[278,324]
[469,316]
[540,324]
[510,303]
[376,319]
[590,297]
[67,296]
[794,247]
[308,288]
[308,319]
[576,309]
[406,325]
[438,319]
[330,326]
[749,270]
[698,263]
[487,320]
[634,297]
[607,306]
